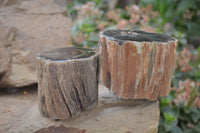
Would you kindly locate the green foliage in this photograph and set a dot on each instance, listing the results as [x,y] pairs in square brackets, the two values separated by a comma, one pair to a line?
[183,14]
[175,119]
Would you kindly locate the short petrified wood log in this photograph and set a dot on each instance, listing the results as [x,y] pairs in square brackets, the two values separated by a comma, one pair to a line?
[136,64]
[67,81]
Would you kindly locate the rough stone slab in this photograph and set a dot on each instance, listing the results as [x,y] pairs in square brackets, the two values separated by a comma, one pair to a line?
[35,34]
[11,7]
[40,26]
[5,50]
[20,113]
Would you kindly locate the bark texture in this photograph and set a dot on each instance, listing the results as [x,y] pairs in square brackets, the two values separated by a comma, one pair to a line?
[67,81]
[137,64]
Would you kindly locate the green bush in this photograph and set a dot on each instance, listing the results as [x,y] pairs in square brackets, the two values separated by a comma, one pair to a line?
[183,14]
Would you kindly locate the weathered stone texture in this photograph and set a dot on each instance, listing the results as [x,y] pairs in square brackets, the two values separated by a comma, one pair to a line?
[138,65]
[19,114]
[5,49]
[40,26]
[30,7]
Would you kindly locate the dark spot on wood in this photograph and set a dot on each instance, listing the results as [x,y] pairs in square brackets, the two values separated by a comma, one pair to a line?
[44,113]
[43,100]
[108,79]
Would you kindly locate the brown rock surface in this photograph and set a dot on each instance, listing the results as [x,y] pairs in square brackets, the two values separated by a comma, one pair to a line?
[5,50]
[136,64]
[19,113]
[39,7]
[40,26]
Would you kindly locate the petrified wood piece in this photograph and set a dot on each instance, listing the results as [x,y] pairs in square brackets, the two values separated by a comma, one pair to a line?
[137,64]
[67,81]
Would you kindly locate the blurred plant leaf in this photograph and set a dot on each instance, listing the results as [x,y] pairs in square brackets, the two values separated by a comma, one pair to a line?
[169,117]
[193,29]
[176,129]
[186,4]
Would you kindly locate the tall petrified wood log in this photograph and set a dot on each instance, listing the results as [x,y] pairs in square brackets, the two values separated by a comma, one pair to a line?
[67,81]
[136,64]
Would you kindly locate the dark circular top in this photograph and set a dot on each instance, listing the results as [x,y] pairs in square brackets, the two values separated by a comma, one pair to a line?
[68,53]
[137,35]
